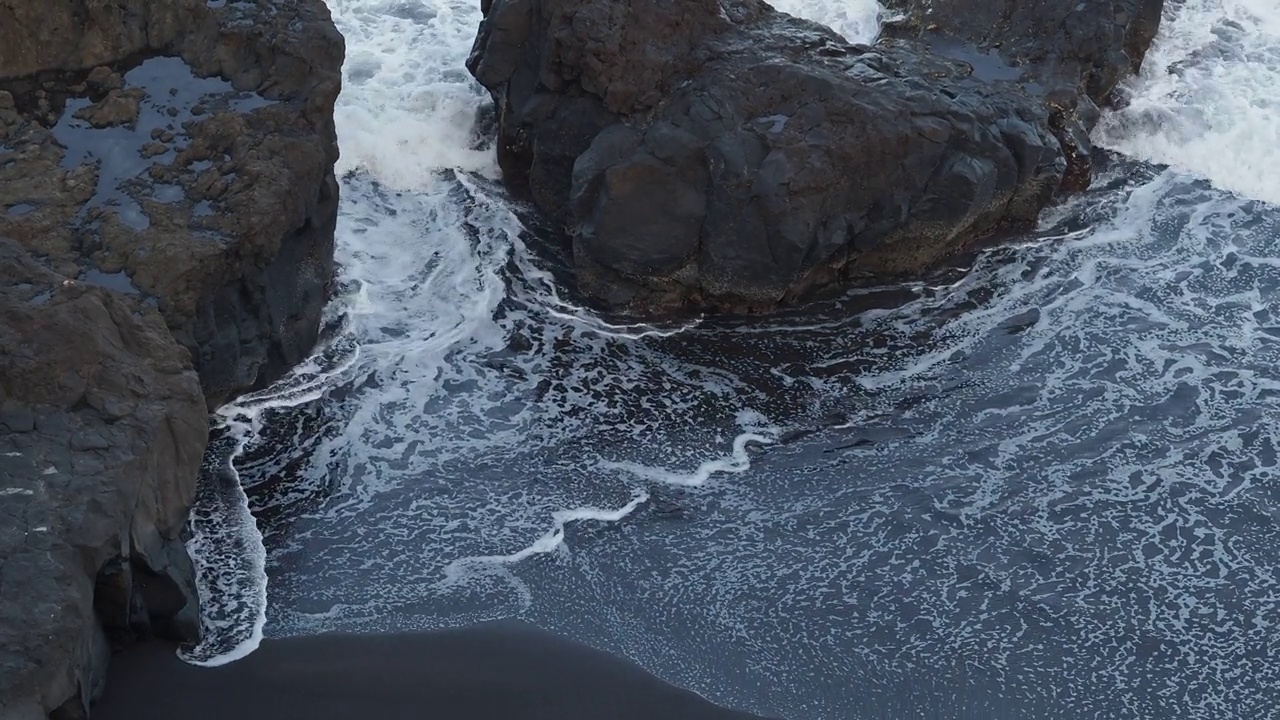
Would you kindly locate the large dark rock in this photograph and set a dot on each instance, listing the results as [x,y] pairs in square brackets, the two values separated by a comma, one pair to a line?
[167,207]
[1068,56]
[717,154]
[182,150]
[102,429]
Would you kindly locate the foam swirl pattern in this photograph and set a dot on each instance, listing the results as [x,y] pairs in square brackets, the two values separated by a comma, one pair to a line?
[1044,485]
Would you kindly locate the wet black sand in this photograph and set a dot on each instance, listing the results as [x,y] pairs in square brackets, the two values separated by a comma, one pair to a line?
[491,671]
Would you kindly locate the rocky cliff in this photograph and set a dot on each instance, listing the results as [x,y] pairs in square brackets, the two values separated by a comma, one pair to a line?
[102,428]
[182,151]
[167,206]
[718,154]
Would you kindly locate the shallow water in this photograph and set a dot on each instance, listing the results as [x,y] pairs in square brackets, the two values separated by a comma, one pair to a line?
[172,94]
[1040,486]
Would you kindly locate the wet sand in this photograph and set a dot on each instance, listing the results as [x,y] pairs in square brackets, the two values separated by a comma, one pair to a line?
[491,671]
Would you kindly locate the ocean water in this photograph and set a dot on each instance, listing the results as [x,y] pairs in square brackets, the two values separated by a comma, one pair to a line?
[1041,484]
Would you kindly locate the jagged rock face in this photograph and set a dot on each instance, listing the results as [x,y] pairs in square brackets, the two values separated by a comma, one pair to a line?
[721,155]
[1084,48]
[102,429]
[1070,56]
[183,151]
[167,208]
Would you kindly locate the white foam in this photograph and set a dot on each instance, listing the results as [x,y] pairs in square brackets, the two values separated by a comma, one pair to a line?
[1208,98]
[857,20]
[226,544]
[230,562]
[408,106]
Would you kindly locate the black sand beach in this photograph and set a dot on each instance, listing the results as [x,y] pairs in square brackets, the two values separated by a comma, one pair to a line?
[494,670]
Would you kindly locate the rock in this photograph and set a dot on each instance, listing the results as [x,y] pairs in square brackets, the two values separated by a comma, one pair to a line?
[228,225]
[1086,48]
[1071,56]
[106,431]
[104,79]
[720,155]
[117,108]
[9,117]
[154,262]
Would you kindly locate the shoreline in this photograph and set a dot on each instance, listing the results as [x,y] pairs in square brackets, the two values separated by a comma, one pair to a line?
[499,669]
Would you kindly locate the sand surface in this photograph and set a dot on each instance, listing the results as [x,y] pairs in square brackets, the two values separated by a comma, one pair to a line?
[492,671]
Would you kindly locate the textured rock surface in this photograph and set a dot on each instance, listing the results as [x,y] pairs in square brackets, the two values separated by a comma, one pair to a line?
[1070,56]
[1083,47]
[721,155]
[102,429]
[184,150]
[167,204]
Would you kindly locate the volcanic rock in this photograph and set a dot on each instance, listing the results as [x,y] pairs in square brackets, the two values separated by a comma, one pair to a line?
[167,208]
[228,223]
[102,429]
[721,155]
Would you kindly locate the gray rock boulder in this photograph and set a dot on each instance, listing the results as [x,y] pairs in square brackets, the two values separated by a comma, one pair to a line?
[720,155]
[102,431]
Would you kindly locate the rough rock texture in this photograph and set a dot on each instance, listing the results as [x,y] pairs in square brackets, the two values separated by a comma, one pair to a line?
[717,154]
[182,150]
[1086,48]
[167,205]
[102,429]
[1070,56]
